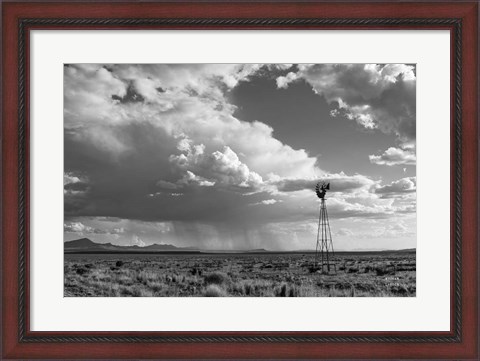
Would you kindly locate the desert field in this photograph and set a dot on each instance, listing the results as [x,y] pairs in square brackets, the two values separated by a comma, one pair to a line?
[378,274]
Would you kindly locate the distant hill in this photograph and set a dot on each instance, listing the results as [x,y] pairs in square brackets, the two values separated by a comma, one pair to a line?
[80,243]
[406,250]
[85,245]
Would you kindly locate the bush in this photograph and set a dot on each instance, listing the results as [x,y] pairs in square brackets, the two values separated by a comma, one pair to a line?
[381,271]
[81,271]
[282,292]
[216,278]
[119,264]
[352,291]
[214,291]
[399,290]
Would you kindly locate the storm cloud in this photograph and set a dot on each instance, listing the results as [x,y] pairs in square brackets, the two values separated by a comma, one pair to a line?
[150,145]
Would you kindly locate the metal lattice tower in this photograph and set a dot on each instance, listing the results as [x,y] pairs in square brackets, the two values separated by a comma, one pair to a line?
[324,252]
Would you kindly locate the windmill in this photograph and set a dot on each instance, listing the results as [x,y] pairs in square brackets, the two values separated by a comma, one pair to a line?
[324,249]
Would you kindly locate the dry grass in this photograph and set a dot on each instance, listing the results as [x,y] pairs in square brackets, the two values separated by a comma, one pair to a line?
[269,275]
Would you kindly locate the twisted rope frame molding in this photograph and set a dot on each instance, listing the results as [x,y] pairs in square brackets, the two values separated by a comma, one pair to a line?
[287,23]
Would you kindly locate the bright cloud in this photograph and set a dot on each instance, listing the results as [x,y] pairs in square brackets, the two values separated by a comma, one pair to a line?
[137,241]
[394,156]
[376,96]
[161,149]
[399,187]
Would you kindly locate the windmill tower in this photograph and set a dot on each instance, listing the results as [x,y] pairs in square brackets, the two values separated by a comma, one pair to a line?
[324,251]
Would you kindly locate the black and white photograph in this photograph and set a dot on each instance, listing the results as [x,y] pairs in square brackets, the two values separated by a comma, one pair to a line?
[240,180]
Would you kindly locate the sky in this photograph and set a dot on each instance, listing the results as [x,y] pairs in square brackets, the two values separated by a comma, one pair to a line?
[227,156]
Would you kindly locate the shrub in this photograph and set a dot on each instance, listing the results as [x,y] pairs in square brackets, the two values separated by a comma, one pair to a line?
[352,291]
[141,292]
[399,290]
[214,291]
[381,271]
[119,264]
[216,278]
[367,269]
[282,292]
[81,271]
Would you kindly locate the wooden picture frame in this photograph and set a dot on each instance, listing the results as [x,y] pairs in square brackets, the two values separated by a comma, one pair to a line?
[460,18]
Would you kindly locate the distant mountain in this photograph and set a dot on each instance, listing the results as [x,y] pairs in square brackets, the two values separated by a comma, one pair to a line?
[85,245]
[258,250]
[406,250]
[81,243]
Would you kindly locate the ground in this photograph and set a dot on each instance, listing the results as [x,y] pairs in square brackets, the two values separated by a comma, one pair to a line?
[377,274]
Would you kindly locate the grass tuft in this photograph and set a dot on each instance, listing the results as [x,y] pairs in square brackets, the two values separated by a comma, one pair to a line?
[214,291]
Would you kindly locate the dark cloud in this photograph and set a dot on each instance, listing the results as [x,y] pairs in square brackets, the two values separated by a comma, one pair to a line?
[161,145]
[338,183]
[376,96]
[77,186]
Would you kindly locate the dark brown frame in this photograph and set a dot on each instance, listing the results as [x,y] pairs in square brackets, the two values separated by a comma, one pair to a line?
[461,18]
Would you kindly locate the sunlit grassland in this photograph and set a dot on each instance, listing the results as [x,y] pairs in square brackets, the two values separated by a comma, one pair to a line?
[256,275]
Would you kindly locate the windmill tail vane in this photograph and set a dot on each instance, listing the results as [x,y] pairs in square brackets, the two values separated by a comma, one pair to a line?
[324,250]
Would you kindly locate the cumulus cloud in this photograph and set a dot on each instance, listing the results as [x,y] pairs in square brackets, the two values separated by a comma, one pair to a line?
[222,167]
[74,184]
[190,178]
[137,241]
[70,178]
[365,206]
[399,187]
[154,143]
[267,202]
[375,96]
[81,228]
[394,156]
[76,227]
[283,81]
